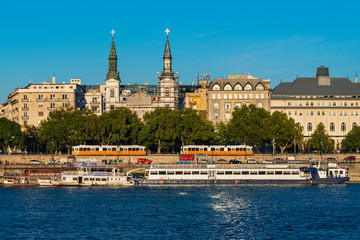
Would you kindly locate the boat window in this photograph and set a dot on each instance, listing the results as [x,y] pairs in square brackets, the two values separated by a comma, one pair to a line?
[75,178]
[203,173]
[236,172]
[336,172]
[162,172]
[278,172]
[64,178]
[86,179]
[103,179]
[217,149]
[187,173]
[245,173]
[286,173]
[228,172]
[262,172]
[295,173]
[253,173]
[97,179]
[220,173]
[170,173]
[178,172]
[270,173]
[91,179]
[195,173]
[341,172]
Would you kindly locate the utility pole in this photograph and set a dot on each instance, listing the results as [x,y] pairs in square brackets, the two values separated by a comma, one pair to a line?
[273,146]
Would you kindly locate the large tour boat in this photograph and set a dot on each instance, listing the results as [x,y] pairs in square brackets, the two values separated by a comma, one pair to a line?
[238,174]
[95,176]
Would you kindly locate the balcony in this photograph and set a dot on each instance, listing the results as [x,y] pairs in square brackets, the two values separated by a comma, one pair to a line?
[51,108]
[25,117]
[41,99]
[25,108]
[63,99]
[25,100]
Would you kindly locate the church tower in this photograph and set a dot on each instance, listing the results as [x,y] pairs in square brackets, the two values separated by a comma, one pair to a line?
[168,85]
[112,80]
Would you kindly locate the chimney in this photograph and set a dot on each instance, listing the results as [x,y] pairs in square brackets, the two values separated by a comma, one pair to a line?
[53,79]
[356,79]
[323,76]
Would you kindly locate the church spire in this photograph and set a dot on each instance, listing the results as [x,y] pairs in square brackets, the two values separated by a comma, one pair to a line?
[112,72]
[167,56]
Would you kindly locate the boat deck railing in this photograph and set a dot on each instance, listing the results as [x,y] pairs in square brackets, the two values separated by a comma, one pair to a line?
[224,166]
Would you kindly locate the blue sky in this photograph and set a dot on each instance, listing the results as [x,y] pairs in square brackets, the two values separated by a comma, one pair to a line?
[269,39]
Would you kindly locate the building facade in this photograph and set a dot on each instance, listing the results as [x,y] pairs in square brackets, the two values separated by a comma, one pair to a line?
[335,102]
[225,94]
[197,100]
[33,103]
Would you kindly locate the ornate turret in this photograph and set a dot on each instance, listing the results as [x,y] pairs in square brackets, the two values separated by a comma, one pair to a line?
[112,72]
[167,70]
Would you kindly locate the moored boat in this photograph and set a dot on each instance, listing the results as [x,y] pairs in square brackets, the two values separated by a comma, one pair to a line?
[231,174]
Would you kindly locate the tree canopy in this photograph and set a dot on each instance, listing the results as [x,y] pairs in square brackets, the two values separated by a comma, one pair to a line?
[320,139]
[352,140]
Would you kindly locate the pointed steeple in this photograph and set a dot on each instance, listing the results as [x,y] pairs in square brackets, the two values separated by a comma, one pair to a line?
[167,70]
[112,72]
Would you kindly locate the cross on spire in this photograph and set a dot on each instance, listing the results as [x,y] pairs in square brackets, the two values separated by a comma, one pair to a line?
[167,32]
[112,32]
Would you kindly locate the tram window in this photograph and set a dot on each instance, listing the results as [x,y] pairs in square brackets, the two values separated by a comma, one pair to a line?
[196,149]
[86,179]
[103,179]
[114,149]
[217,149]
[91,179]
[97,179]
[92,149]
[153,173]
[253,173]
[286,173]
[341,172]
[213,149]
[295,173]
[75,178]
[187,173]
[195,173]
[121,149]
[178,172]
[278,172]
[245,173]
[220,173]
[336,172]
[81,149]
[136,149]
[262,172]
[237,149]
[203,173]
[228,172]
[76,149]
[270,173]
[97,149]
[104,149]
[170,173]
[201,149]
[162,172]
[221,149]
[236,172]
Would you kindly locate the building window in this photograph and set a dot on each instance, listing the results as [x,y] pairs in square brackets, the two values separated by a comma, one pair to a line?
[323,113]
[289,103]
[300,113]
[235,96]
[332,127]
[238,87]
[340,114]
[345,104]
[225,96]
[64,96]
[40,97]
[260,87]
[52,105]
[311,104]
[112,93]
[354,124]
[25,115]
[345,113]
[52,96]
[259,105]
[216,116]
[343,127]
[296,113]
[248,87]
[311,113]
[216,106]
[112,107]
[240,96]
[356,114]
[40,114]
[250,96]
[219,96]
[214,96]
[230,96]
[257,96]
[64,105]
[334,103]
[238,105]
[227,87]
[289,113]
[309,127]
[262,96]
[227,106]
[318,113]
[227,116]
[216,87]
[245,96]
[25,97]
[25,106]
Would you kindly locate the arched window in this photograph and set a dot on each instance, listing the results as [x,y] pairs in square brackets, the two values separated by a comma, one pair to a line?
[354,124]
[343,127]
[289,103]
[309,127]
[248,87]
[260,87]
[238,87]
[227,87]
[216,87]
[332,127]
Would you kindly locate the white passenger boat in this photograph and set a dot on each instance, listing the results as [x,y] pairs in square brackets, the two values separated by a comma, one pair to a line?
[95,176]
[237,174]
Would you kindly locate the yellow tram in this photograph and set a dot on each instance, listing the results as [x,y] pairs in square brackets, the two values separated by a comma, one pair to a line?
[219,150]
[108,150]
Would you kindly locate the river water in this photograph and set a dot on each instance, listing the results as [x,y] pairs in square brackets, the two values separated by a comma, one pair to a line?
[182,212]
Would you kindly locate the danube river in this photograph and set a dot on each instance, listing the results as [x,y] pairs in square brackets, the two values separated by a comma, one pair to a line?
[182,212]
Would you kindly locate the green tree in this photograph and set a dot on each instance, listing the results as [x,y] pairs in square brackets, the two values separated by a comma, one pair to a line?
[221,134]
[284,130]
[352,140]
[11,136]
[320,139]
[251,124]
[122,124]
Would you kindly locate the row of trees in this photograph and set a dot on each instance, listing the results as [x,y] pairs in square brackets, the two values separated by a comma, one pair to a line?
[165,130]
